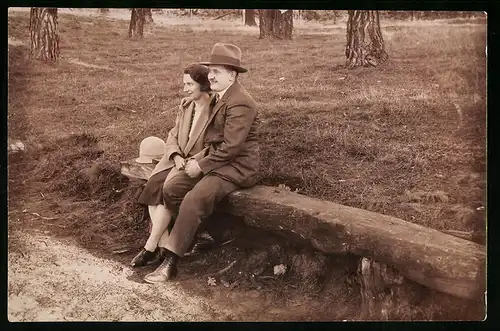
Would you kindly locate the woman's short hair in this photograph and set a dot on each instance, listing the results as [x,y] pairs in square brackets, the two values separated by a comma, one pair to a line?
[199,73]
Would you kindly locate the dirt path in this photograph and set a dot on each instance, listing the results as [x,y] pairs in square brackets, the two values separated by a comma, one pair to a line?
[52,280]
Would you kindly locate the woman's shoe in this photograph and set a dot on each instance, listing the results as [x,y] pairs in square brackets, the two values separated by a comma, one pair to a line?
[165,271]
[142,259]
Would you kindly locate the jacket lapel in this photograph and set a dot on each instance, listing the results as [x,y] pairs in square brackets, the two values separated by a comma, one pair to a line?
[221,102]
[184,127]
[199,126]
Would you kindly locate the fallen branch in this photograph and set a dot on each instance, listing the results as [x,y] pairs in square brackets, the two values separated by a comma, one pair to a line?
[121,249]
[227,242]
[130,110]
[267,277]
[424,255]
[221,16]
[40,216]
[163,112]
[220,272]
[52,224]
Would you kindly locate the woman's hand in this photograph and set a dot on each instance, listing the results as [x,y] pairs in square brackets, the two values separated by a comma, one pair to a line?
[186,101]
[180,162]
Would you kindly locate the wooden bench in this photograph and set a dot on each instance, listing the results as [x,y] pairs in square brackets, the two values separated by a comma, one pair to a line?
[424,255]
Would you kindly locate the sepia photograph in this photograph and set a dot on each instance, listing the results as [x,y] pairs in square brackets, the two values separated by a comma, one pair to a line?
[246,165]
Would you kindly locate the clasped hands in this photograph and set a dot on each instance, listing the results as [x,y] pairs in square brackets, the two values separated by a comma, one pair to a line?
[190,166]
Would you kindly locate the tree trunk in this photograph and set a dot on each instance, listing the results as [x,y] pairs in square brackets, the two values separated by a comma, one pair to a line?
[136,28]
[103,10]
[149,15]
[44,34]
[250,17]
[365,45]
[276,23]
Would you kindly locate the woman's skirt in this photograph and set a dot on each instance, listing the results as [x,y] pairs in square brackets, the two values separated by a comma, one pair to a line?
[152,194]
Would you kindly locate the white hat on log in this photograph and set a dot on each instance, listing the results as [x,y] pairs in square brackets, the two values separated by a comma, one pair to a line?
[150,148]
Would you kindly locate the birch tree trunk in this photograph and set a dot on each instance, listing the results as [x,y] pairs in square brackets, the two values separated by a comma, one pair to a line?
[365,45]
[44,34]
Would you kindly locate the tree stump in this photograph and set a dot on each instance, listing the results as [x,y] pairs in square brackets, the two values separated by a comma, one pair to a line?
[365,45]
[44,34]
[377,282]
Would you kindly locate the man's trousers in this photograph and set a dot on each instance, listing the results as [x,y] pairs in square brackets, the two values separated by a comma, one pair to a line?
[195,199]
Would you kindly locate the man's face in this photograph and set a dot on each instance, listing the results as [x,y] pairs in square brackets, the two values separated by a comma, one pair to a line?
[191,87]
[220,77]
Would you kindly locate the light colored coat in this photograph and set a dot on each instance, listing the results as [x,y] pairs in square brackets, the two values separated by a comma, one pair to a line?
[178,140]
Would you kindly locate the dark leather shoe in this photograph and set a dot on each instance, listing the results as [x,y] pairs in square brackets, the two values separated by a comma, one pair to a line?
[143,257]
[161,253]
[165,271]
[203,242]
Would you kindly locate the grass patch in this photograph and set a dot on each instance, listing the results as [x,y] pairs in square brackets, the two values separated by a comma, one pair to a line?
[394,128]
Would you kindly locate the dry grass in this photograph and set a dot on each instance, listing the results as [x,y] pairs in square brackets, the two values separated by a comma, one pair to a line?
[388,139]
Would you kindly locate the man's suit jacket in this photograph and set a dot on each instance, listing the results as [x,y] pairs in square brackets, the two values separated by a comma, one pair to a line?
[232,138]
[178,140]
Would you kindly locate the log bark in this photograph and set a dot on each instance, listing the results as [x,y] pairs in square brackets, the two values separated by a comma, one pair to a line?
[365,44]
[275,23]
[44,34]
[426,256]
[137,20]
[134,170]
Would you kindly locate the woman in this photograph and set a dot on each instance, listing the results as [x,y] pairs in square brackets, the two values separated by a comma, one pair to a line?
[185,141]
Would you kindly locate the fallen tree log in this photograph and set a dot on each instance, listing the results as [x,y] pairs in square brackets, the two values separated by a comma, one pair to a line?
[424,255]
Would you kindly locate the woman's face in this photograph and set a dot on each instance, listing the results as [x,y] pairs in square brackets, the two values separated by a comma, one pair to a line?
[191,87]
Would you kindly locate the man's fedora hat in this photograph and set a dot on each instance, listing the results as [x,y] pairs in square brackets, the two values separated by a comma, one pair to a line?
[226,54]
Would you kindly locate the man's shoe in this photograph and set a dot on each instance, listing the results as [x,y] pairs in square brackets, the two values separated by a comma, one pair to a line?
[143,258]
[165,271]
[203,242]
[161,253]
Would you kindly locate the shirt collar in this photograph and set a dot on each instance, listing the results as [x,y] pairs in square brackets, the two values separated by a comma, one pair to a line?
[221,93]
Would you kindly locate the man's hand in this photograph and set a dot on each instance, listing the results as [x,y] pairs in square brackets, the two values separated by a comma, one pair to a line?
[180,162]
[192,168]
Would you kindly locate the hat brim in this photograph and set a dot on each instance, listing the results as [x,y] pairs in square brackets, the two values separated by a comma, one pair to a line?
[145,159]
[236,68]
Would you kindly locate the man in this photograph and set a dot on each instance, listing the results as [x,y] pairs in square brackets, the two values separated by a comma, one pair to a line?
[231,163]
